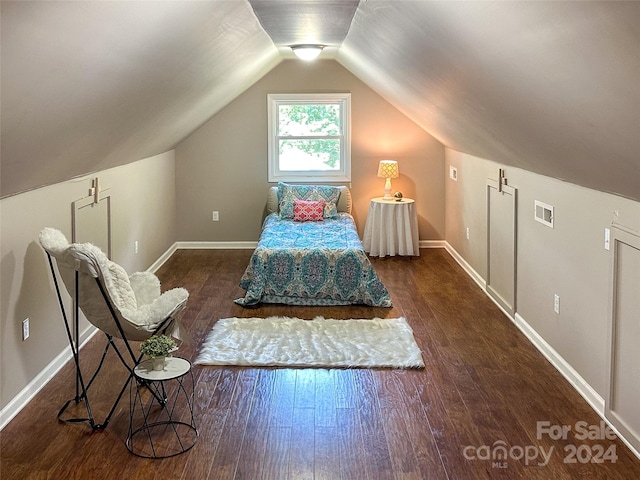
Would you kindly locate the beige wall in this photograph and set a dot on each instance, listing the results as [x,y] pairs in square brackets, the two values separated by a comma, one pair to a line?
[143,209]
[569,259]
[223,165]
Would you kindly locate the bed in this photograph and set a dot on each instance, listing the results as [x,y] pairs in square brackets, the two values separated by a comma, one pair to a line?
[311,262]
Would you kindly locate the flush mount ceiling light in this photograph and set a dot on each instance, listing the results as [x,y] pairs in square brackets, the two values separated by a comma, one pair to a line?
[307,51]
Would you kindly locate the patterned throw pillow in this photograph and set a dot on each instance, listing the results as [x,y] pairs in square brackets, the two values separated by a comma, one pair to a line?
[288,193]
[308,210]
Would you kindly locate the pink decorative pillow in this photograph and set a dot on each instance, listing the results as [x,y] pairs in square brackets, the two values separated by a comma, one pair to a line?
[308,210]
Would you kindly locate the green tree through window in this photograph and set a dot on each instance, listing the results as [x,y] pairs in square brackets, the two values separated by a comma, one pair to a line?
[309,137]
[309,120]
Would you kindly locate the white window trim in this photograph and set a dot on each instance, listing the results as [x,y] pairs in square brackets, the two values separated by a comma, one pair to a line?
[311,176]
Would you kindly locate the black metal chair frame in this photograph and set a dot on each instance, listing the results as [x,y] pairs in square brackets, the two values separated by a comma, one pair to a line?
[82,387]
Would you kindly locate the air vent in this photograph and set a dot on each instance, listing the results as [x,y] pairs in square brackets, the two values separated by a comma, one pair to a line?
[544,213]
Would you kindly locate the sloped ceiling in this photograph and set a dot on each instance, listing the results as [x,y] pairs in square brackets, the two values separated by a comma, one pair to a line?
[551,87]
[89,85]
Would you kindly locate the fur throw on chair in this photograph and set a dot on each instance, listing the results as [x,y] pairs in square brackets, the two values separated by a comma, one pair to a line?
[137,300]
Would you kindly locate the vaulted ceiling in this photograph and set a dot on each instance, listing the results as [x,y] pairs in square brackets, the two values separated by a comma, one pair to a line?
[551,87]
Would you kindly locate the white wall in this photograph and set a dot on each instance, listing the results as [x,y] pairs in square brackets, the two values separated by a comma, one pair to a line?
[223,165]
[569,259]
[143,209]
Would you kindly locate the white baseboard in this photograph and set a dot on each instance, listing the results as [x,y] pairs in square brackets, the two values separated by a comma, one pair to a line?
[568,372]
[593,398]
[155,266]
[432,244]
[584,389]
[197,246]
[466,267]
[217,245]
[560,364]
[21,400]
[252,245]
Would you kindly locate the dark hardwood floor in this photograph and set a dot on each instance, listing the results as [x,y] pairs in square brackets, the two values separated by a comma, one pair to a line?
[484,387]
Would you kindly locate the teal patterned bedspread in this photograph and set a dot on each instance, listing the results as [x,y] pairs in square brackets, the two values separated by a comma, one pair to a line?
[311,263]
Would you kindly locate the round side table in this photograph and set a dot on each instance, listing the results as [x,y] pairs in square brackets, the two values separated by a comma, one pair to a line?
[162,422]
[391,228]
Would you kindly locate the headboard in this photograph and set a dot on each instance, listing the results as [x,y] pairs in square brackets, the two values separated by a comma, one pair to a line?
[344,201]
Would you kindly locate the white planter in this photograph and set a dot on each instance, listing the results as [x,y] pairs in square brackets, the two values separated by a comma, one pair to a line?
[158,363]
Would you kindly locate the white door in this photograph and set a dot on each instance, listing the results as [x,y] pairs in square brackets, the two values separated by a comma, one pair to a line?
[501,244]
[622,403]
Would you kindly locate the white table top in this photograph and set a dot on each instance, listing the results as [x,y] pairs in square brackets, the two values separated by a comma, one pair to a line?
[403,200]
[174,367]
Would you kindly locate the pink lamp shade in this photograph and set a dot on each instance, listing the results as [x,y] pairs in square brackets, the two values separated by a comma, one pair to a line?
[388,169]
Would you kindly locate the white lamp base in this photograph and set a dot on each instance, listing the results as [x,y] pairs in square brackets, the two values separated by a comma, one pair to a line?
[387,189]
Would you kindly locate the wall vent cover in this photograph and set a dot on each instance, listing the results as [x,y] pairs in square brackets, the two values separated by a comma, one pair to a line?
[544,213]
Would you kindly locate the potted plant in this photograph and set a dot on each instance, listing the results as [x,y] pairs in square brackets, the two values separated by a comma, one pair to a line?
[157,348]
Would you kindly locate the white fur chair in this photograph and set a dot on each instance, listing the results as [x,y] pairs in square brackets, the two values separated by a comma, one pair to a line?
[131,308]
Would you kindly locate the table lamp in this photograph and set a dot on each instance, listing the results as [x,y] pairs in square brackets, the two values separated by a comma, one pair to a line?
[388,169]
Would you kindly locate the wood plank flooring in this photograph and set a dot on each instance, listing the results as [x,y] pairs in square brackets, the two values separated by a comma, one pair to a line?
[484,386]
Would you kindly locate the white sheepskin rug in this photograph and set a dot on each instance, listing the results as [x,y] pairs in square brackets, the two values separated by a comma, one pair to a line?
[292,342]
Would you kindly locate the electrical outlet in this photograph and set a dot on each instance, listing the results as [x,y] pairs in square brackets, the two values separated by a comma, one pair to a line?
[135,247]
[216,216]
[25,329]
[556,303]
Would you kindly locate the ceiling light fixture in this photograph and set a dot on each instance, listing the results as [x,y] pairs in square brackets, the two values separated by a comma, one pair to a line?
[307,51]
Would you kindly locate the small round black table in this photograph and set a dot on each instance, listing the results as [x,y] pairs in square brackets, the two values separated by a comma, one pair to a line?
[162,422]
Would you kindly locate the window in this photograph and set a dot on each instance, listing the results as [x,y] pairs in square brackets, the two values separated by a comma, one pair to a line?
[309,137]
